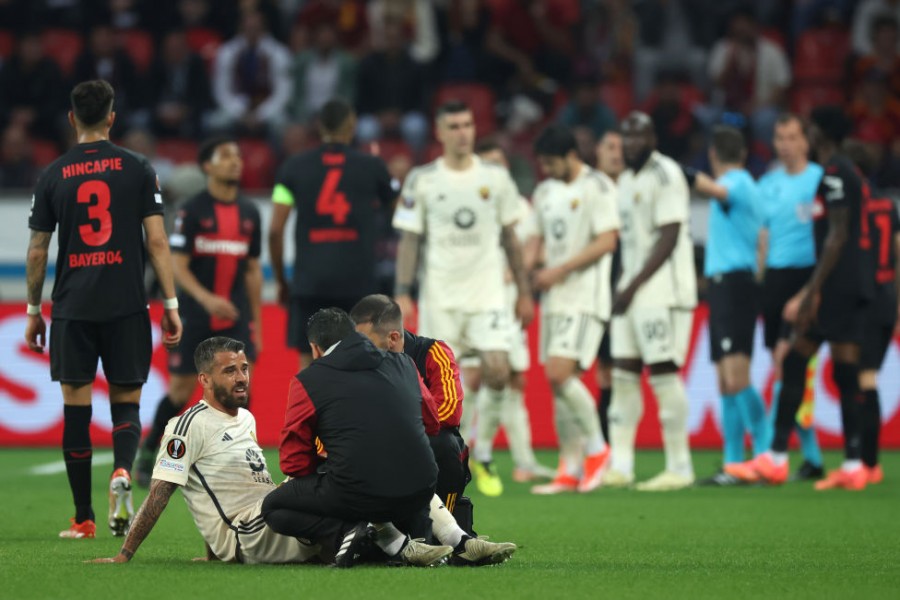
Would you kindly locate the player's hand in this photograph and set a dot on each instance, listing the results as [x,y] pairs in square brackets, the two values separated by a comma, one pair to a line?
[171,327]
[284,293]
[221,308]
[623,300]
[408,308]
[36,333]
[792,306]
[545,279]
[256,335]
[806,313]
[525,309]
[118,558]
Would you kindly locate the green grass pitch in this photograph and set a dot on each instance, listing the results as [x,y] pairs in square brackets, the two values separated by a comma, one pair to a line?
[789,542]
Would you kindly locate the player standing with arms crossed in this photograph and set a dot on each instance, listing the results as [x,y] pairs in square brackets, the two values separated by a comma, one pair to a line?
[103,200]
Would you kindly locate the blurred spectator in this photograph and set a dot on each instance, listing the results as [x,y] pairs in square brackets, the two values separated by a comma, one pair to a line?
[348,16]
[816,13]
[179,88]
[321,73]
[392,99]
[880,165]
[865,16]
[294,140]
[586,109]
[463,27]
[103,59]
[251,80]
[142,142]
[671,37]
[678,132]
[750,75]
[609,37]
[418,20]
[126,14]
[875,109]
[17,170]
[31,84]
[885,57]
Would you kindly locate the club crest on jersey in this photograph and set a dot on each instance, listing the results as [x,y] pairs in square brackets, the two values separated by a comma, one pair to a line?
[558,229]
[637,198]
[484,192]
[176,448]
[574,203]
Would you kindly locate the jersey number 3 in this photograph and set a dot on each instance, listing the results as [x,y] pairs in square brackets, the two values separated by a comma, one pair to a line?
[332,202]
[97,212]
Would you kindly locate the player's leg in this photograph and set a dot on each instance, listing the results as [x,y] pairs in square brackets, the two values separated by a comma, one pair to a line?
[604,382]
[877,341]
[812,466]
[181,388]
[468,550]
[627,404]
[300,309]
[470,377]
[74,351]
[664,343]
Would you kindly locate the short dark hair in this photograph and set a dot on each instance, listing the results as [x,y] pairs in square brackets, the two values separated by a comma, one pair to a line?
[328,326]
[832,121]
[451,107]
[729,144]
[334,114]
[381,311]
[487,144]
[208,147]
[555,140]
[92,101]
[205,354]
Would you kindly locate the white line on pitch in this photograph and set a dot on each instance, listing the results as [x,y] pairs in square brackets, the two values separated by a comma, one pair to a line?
[59,466]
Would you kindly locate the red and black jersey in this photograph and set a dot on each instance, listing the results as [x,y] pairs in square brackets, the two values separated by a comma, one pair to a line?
[843,186]
[884,226]
[97,196]
[365,405]
[342,198]
[437,365]
[220,237]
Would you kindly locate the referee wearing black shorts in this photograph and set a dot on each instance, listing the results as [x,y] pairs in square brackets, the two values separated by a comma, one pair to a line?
[103,200]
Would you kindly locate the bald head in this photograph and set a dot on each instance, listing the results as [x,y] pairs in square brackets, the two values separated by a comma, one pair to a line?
[638,139]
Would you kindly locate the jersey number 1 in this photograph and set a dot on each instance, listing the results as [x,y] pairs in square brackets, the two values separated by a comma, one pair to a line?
[99,212]
[883,223]
[332,202]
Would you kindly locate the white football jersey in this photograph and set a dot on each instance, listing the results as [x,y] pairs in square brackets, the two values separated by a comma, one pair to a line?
[222,472]
[460,214]
[569,217]
[657,195]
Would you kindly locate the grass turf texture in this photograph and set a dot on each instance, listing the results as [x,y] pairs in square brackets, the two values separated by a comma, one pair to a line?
[703,542]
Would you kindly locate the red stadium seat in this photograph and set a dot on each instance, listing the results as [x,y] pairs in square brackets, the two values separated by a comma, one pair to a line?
[820,55]
[804,98]
[619,97]
[479,97]
[43,152]
[259,164]
[204,42]
[139,46]
[7,43]
[180,151]
[63,46]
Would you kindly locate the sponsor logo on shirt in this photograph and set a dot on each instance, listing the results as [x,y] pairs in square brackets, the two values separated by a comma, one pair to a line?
[206,245]
[168,465]
[464,218]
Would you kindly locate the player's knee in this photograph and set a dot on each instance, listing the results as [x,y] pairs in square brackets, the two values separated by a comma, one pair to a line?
[846,378]
[558,373]
[496,374]
[868,379]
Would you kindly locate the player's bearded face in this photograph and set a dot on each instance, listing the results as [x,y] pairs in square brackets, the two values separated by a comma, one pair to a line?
[233,394]
[636,150]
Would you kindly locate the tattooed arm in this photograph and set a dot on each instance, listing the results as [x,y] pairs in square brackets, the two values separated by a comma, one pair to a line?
[513,250]
[144,521]
[35,272]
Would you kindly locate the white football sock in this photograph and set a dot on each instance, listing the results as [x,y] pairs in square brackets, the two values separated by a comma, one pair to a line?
[468,418]
[490,405]
[673,416]
[778,458]
[625,411]
[851,465]
[571,442]
[515,421]
[388,538]
[581,404]
[443,525]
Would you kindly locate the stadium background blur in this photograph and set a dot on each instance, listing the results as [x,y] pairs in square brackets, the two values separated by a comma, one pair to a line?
[179,73]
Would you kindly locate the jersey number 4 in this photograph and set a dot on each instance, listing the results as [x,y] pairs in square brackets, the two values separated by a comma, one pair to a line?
[332,202]
[97,212]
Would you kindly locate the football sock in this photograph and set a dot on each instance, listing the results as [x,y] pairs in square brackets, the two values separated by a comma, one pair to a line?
[468,418]
[773,412]
[809,445]
[732,430]
[846,377]
[165,411]
[673,416]
[490,405]
[871,427]
[388,538]
[126,434]
[603,409]
[779,458]
[77,453]
[851,465]
[444,526]
[753,414]
[571,443]
[515,421]
[578,398]
[793,383]
[625,412]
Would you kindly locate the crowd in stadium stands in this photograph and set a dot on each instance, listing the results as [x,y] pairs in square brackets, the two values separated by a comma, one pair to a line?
[262,69]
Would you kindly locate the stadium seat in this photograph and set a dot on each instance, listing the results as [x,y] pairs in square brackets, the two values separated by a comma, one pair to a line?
[619,97]
[259,164]
[43,152]
[204,42]
[479,97]
[180,151]
[774,35]
[7,43]
[806,97]
[63,46]
[388,149]
[821,55]
[139,46]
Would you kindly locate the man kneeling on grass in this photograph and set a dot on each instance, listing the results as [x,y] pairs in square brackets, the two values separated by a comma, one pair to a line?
[212,453]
